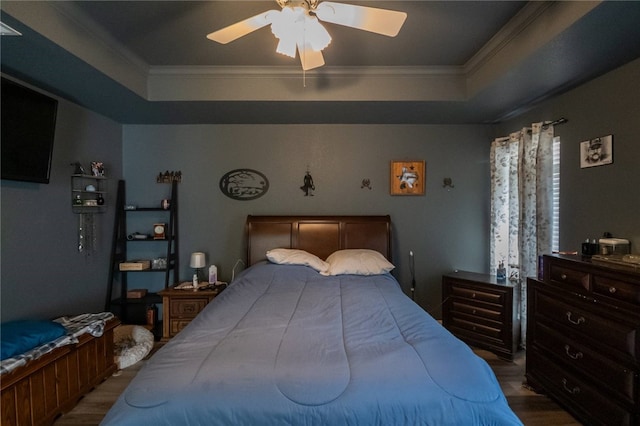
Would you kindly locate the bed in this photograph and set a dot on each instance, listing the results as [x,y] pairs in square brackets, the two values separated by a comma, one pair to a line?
[316,331]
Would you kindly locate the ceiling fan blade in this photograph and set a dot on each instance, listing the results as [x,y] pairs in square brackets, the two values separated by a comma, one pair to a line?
[309,58]
[380,21]
[242,28]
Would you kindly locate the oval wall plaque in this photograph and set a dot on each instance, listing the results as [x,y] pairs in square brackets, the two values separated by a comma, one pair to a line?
[244,184]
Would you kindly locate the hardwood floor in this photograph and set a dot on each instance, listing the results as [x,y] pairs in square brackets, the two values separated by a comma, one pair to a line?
[531,408]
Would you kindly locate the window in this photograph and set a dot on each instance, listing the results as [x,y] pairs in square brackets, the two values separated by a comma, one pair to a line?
[555,224]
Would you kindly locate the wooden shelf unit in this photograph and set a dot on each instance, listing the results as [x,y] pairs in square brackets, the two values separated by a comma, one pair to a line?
[129,310]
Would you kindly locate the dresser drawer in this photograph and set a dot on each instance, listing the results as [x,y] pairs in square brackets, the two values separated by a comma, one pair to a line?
[177,325]
[482,295]
[179,307]
[619,290]
[474,310]
[187,308]
[477,328]
[619,336]
[590,362]
[591,402]
[569,277]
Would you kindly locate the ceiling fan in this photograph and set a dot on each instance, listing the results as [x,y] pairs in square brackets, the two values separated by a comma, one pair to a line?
[297,26]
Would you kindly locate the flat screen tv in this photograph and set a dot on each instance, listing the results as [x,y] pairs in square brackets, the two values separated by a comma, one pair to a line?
[28,129]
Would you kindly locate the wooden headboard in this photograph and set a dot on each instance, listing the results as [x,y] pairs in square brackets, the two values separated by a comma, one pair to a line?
[320,235]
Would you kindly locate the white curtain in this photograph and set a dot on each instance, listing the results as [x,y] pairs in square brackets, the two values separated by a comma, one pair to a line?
[521,205]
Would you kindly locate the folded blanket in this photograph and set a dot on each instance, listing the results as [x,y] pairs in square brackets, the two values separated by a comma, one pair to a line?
[75,327]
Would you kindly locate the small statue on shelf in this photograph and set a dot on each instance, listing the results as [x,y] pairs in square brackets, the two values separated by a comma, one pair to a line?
[79,170]
[169,177]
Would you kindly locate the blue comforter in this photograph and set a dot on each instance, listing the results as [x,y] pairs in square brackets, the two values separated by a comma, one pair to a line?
[284,345]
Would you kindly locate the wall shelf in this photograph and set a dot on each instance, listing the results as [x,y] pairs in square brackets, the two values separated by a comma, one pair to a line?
[81,196]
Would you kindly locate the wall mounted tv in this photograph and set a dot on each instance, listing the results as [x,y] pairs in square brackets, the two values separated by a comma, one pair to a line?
[28,129]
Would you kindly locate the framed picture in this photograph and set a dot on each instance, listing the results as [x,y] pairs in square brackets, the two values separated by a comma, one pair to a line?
[408,177]
[97,168]
[596,152]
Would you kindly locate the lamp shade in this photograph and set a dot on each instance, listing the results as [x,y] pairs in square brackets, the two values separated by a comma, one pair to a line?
[197,260]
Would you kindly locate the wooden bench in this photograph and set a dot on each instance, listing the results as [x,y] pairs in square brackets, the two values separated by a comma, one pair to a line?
[45,388]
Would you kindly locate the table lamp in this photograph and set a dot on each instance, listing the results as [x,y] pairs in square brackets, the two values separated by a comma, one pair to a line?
[198,262]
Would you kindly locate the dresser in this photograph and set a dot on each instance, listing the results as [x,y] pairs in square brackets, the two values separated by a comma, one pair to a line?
[583,338]
[481,311]
[180,307]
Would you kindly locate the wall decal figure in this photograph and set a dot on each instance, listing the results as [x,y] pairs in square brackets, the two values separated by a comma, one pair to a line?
[366,183]
[308,186]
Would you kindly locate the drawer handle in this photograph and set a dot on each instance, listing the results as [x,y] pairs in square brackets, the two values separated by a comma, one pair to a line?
[579,321]
[189,309]
[612,290]
[573,391]
[563,276]
[576,355]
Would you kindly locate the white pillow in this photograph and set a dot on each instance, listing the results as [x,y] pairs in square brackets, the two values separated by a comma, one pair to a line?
[357,262]
[284,256]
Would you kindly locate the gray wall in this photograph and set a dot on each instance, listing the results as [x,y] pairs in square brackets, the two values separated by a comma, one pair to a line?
[43,274]
[604,198]
[446,229]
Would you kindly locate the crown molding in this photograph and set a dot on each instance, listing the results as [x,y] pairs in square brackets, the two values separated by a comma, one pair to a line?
[208,83]
[535,25]
[525,17]
[296,71]
[77,33]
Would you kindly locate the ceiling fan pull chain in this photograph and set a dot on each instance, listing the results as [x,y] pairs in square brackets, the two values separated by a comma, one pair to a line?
[304,71]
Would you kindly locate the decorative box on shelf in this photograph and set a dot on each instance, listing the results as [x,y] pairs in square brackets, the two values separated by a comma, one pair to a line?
[135,265]
[137,293]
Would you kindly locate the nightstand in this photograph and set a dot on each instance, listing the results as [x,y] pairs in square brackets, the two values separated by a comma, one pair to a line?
[482,311]
[180,307]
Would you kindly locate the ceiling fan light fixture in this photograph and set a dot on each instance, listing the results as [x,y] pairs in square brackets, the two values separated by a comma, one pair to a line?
[294,27]
[287,46]
[315,34]
[297,26]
